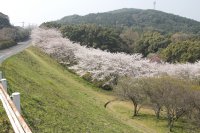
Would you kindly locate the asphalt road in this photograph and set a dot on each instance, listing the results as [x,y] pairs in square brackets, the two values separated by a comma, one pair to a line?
[4,54]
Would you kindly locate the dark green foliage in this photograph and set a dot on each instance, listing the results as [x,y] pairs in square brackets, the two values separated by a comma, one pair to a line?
[182,51]
[151,42]
[6,43]
[51,25]
[21,34]
[95,36]
[4,21]
[141,19]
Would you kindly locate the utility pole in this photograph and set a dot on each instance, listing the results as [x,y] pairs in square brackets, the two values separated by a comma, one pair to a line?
[154,5]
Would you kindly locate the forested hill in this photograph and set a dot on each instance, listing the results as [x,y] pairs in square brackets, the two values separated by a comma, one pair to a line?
[4,20]
[137,18]
[9,34]
[149,32]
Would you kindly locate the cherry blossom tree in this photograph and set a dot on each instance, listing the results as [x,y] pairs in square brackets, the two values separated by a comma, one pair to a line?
[102,64]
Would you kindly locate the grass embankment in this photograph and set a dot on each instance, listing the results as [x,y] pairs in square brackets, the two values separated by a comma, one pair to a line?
[55,100]
[5,125]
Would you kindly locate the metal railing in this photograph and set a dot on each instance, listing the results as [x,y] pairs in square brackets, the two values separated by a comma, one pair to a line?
[16,120]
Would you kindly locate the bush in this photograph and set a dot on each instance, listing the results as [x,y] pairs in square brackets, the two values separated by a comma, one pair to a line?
[98,83]
[87,77]
[7,43]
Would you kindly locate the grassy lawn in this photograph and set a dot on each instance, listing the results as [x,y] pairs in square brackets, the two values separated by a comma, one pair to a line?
[55,100]
[147,120]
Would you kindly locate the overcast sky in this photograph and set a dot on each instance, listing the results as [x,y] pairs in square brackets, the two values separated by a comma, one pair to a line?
[38,11]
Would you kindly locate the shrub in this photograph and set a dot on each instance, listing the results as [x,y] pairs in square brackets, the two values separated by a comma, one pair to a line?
[7,43]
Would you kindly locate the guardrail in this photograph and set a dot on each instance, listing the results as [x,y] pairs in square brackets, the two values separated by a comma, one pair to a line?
[12,108]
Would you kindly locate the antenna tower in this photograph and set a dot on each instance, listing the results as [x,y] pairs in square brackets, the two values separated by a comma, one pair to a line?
[154,5]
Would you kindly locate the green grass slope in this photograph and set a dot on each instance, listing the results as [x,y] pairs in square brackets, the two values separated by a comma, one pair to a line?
[5,125]
[55,100]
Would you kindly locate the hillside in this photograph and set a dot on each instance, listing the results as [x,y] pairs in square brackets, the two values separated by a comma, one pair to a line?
[54,100]
[137,18]
[4,21]
[9,34]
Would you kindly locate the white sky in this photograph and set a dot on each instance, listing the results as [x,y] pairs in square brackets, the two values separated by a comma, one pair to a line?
[38,11]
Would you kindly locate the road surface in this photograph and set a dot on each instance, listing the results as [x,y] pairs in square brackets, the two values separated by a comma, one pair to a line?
[4,54]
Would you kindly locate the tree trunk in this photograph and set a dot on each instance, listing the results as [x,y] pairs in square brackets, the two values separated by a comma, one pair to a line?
[171,125]
[135,109]
[135,112]
[158,112]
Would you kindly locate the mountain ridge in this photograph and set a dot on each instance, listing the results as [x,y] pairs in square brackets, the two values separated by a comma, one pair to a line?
[137,18]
